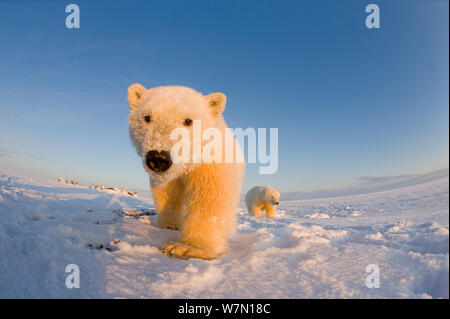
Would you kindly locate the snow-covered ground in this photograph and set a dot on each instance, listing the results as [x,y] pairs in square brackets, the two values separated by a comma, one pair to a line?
[313,249]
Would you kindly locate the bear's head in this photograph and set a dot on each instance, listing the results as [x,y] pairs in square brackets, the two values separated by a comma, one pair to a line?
[156,112]
[272,196]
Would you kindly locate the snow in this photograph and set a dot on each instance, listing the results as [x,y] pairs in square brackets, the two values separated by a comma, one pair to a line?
[316,248]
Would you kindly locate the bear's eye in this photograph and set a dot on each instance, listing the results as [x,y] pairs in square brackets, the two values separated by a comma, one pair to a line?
[147,118]
[187,122]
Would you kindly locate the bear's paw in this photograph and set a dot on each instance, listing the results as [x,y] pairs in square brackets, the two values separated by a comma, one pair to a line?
[186,251]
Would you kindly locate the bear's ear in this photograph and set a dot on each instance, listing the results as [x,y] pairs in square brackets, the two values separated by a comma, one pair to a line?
[216,103]
[135,93]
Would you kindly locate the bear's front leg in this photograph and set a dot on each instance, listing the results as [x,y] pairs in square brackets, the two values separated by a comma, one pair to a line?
[270,211]
[210,215]
[256,211]
[168,202]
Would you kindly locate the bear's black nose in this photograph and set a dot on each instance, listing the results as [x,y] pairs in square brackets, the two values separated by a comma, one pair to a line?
[276,203]
[158,161]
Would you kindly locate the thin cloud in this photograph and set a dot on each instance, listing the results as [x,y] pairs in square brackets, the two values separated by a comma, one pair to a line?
[369,184]
[14,154]
[372,180]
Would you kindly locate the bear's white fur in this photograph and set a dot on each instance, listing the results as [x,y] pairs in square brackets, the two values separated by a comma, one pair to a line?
[261,198]
[199,199]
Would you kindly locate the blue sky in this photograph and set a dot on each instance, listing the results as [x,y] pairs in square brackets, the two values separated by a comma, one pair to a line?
[349,102]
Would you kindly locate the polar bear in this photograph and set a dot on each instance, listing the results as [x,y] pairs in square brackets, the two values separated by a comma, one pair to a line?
[197,197]
[261,198]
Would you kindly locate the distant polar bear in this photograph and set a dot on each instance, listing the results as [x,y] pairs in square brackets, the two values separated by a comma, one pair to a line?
[261,198]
